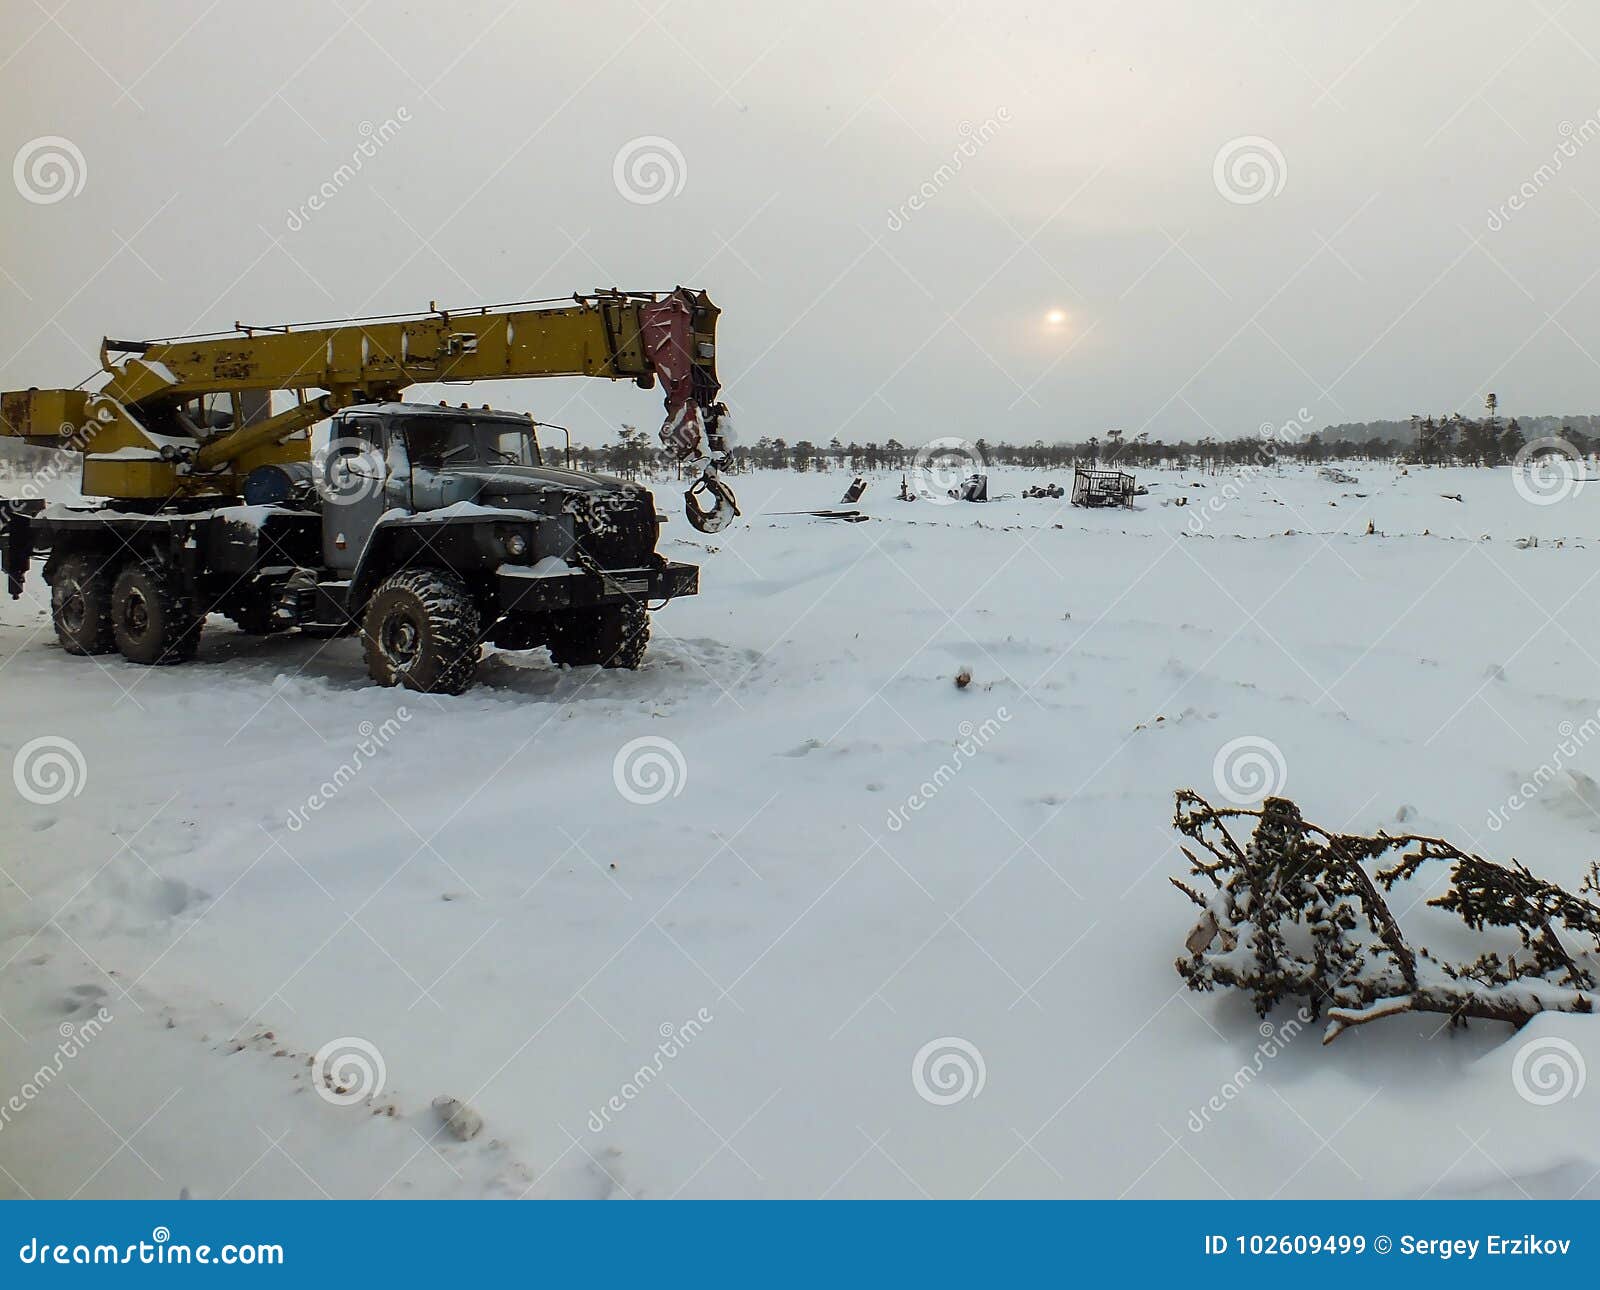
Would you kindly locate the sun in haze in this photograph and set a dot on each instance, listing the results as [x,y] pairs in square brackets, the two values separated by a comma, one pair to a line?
[1056,317]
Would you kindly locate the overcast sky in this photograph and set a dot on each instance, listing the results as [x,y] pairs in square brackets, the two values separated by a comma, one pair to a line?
[1167,217]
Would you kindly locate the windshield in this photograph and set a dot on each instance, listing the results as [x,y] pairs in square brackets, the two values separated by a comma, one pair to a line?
[467,441]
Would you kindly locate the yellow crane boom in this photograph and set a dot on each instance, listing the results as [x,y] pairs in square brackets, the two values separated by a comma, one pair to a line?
[155,431]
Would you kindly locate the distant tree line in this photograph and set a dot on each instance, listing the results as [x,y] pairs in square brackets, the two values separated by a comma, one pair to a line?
[1405,431]
[1445,440]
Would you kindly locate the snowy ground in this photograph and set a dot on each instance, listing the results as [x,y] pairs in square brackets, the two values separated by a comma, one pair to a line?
[481,904]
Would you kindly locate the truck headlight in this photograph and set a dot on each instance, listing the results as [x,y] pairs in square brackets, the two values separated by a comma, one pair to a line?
[516,545]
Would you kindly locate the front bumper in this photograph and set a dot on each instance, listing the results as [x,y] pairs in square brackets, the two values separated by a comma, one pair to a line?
[522,591]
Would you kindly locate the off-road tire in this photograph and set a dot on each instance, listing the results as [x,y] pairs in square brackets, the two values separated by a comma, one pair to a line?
[80,604]
[610,635]
[153,615]
[421,630]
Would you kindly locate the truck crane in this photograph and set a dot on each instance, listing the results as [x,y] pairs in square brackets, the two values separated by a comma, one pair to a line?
[424,529]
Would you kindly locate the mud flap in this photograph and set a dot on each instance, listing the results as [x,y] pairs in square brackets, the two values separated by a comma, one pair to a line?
[16,545]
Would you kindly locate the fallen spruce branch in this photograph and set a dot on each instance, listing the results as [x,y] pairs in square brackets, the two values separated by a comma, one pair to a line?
[1294,913]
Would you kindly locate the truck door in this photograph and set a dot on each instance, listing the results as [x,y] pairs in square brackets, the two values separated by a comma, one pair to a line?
[351,481]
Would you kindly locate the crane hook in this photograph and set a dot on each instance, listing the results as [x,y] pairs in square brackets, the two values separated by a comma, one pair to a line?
[723,510]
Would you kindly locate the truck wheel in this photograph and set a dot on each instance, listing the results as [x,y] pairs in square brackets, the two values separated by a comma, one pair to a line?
[153,616]
[80,605]
[421,631]
[610,635]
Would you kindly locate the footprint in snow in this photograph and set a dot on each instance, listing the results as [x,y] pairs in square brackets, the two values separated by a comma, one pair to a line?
[83,998]
[171,896]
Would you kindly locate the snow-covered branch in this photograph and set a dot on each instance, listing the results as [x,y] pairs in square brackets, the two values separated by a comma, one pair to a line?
[1300,913]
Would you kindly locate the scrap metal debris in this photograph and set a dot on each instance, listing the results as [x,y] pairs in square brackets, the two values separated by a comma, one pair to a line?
[1102,488]
[849,517]
[974,488]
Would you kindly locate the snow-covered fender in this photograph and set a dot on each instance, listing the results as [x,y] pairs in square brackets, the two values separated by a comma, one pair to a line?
[378,559]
